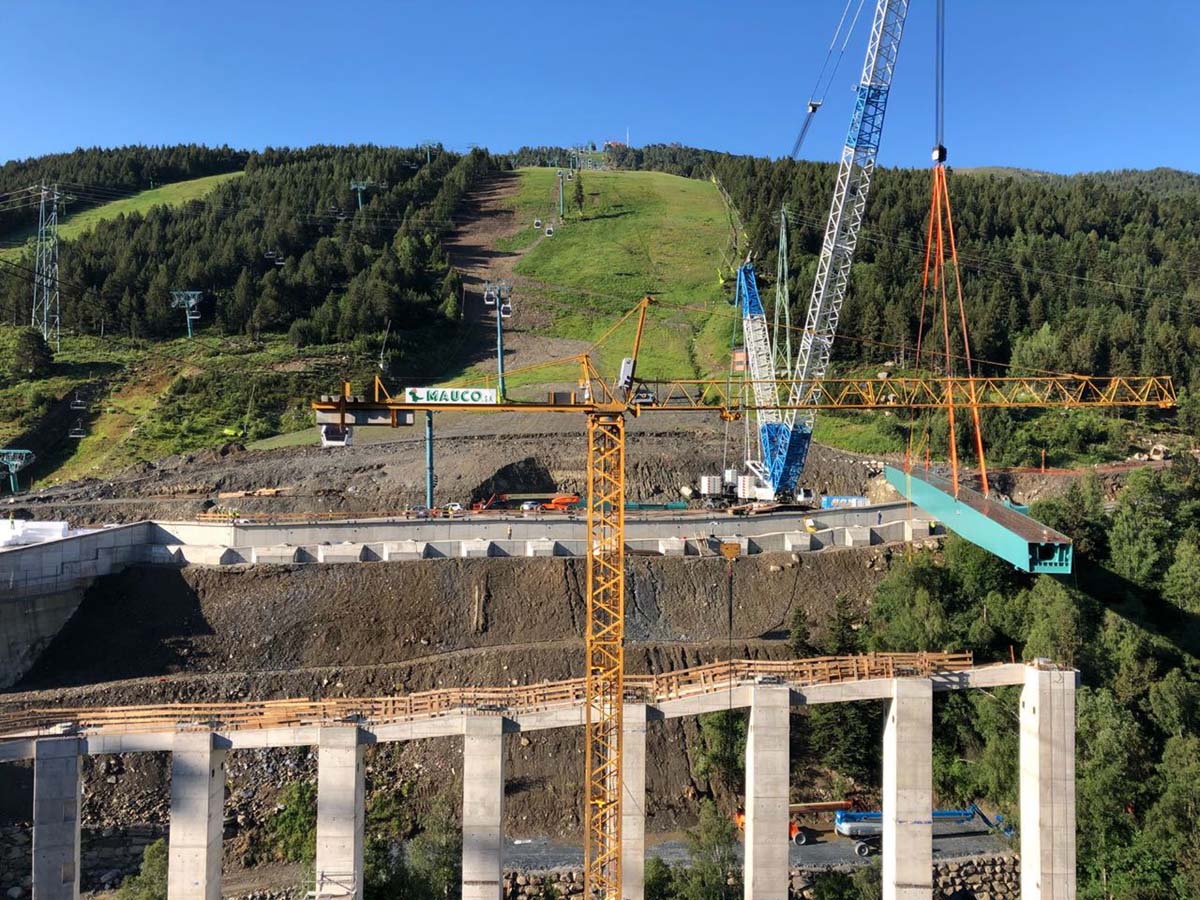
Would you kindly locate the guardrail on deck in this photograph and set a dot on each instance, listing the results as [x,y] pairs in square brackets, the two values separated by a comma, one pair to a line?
[428,704]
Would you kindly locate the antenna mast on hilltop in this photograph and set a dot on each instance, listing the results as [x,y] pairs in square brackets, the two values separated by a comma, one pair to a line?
[46,313]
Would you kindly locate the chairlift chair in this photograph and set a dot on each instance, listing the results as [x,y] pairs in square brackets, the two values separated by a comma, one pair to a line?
[537,223]
[77,430]
[505,310]
[78,402]
[550,231]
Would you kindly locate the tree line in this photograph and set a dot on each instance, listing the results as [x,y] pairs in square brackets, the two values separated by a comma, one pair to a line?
[83,174]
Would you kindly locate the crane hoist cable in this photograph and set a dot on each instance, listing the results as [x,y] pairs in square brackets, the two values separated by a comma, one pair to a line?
[941,258]
[816,97]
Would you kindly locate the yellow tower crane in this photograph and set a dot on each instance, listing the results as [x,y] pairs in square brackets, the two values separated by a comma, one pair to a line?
[605,408]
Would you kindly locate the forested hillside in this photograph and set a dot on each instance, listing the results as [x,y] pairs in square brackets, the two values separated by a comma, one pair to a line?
[1088,274]
[92,176]
[282,248]
[284,259]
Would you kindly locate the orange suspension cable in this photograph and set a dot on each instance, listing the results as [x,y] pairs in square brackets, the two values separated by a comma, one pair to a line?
[920,330]
[939,239]
[939,284]
[966,339]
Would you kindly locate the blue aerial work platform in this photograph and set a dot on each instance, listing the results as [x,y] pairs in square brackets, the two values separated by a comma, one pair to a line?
[998,527]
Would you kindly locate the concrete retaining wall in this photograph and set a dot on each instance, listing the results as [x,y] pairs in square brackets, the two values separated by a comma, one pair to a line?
[41,586]
[106,856]
[995,877]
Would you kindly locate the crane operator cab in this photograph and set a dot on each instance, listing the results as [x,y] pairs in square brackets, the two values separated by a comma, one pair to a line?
[336,436]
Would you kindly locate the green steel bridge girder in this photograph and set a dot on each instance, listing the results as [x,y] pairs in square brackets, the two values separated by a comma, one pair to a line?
[998,527]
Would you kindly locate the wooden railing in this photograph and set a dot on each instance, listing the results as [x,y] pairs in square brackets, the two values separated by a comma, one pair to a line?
[443,701]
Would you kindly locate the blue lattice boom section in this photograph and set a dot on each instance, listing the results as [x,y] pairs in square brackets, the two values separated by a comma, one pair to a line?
[866,125]
[1000,528]
[784,447]
[747,288]
[785,450]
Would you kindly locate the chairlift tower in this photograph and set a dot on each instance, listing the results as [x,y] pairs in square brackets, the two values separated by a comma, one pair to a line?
[500,295]
[189,302]
[46,312]
[358,185]
[561,207]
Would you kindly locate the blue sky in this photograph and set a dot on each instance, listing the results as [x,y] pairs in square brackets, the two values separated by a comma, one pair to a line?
[1060,85]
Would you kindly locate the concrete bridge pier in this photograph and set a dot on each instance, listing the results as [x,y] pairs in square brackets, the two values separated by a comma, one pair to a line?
[56,793]
[633,803]
[768,769]
[483,807]
[907,846]
[197,816]
[1047,753]
[341,813]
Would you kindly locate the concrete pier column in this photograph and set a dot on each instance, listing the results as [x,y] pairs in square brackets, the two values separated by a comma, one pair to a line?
[633,803]
[908,792]
[768,770]
[56,791]
[483,807]
[197,817]
[1048,784]
[341,813]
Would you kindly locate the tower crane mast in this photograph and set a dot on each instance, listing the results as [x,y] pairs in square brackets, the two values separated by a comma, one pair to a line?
[784,437]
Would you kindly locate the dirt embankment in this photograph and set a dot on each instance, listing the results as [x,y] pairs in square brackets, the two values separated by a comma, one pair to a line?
[475,457]
[208,634]
[264,622]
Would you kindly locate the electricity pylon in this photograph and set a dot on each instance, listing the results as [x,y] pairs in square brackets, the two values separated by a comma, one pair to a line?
[46,313]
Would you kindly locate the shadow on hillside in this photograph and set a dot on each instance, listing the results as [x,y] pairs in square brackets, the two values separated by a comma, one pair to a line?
[133,625]
[1118,595]
[609,214]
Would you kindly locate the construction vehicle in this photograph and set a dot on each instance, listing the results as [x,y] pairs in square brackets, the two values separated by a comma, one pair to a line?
[866,826]
[550,502]
[801,834]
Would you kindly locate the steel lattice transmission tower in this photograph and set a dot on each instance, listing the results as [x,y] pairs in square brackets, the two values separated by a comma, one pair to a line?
[46,313]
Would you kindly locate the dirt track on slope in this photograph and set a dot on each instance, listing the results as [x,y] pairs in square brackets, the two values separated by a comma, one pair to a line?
[489,218]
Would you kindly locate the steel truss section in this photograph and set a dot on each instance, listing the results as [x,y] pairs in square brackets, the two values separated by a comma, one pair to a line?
[605,653]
